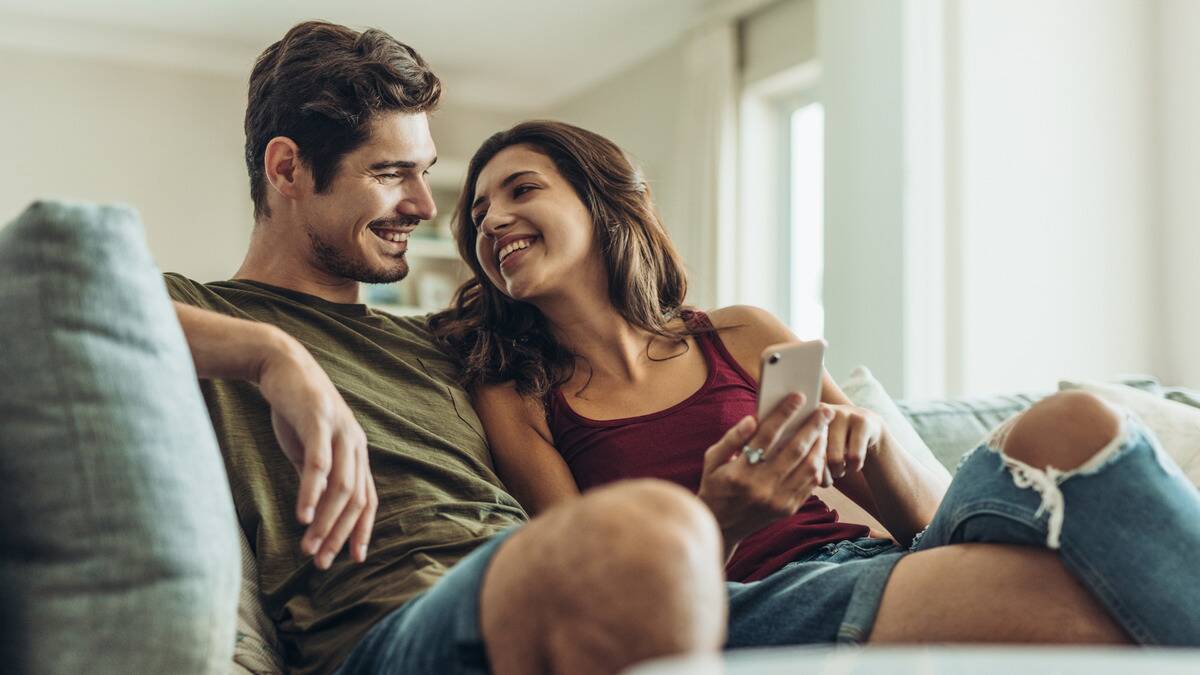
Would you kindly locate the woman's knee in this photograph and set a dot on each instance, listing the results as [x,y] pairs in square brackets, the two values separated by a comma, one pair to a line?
[1063,431]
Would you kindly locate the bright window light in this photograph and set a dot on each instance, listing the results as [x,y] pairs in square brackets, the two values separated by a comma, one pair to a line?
[807,220]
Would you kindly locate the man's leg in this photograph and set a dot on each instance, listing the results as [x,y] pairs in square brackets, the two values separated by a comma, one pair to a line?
[989,593]
[625,573]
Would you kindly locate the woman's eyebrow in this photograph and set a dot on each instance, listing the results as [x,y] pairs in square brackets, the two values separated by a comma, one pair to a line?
[503,184]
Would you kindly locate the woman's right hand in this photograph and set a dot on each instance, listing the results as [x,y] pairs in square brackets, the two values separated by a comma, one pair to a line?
[746,497]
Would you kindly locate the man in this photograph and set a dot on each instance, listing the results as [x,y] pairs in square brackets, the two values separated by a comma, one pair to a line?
[338,144]
[343,427]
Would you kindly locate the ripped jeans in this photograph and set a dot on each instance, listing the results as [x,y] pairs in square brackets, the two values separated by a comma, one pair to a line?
[1126,524]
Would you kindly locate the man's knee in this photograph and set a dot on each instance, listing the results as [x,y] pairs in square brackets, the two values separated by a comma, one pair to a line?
[1063,431]
[628,572]
[639,508]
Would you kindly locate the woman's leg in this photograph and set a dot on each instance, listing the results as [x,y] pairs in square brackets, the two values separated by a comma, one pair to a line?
[1069,475]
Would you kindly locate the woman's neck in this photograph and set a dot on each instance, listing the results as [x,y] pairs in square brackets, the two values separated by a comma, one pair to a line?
[592,328]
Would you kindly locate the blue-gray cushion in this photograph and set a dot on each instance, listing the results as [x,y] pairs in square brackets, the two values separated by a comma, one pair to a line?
[118,549]
[952,427]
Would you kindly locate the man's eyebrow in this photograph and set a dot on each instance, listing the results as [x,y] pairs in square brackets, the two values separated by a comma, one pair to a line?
[397,164]
[503,184]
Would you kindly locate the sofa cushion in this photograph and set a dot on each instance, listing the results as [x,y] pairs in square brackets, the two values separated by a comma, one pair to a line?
[865,391]
[117,534]
[258,651]
[952,427]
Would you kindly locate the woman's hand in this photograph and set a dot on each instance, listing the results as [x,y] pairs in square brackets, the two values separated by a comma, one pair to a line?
[853,433]
[745,496]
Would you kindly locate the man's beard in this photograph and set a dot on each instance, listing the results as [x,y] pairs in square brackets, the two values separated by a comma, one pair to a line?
[337,262]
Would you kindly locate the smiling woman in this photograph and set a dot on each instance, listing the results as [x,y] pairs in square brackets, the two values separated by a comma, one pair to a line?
[568,194]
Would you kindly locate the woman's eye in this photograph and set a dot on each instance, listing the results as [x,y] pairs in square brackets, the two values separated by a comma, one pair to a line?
[522,189]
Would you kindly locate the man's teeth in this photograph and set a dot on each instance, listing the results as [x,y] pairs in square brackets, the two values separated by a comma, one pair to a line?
[515,246]
[391,236]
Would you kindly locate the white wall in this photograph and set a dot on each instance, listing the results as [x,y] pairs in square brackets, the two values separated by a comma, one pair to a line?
[167,141]
[860,48]
[1058,218]
[1178,34]
[164,141]
[1046,166]
[638,109]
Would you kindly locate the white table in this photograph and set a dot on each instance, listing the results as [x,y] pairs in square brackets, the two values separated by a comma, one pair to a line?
[933,661]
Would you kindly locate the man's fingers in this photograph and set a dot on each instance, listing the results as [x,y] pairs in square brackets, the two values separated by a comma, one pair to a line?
[314,476]
[730,444]
[361,536]
[343,479]
[348,518]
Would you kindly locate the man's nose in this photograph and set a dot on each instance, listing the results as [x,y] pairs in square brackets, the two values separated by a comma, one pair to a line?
[419,203]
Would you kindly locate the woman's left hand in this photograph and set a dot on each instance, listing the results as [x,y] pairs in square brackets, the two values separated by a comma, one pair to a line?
[853,433]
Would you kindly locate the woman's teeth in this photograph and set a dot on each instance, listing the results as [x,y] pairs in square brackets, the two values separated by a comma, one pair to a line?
[514,247]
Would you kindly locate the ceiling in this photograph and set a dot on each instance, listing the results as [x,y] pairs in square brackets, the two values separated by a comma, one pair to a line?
[510,54]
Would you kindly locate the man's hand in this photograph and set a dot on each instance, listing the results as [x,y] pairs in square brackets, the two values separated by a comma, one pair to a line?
[320,436]
[315,427]
[746,497]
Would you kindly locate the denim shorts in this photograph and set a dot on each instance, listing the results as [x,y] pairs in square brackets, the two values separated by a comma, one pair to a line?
[829,595]
[1097,516]
[438,631]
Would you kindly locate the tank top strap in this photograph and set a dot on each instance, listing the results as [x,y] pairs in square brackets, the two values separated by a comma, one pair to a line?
[719,359]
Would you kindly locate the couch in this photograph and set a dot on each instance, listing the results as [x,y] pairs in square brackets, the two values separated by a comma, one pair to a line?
[119,550]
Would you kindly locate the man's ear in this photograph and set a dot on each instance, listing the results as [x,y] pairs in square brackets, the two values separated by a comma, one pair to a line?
[286,174]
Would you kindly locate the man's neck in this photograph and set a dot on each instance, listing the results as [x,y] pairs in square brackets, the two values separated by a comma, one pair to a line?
[287,265]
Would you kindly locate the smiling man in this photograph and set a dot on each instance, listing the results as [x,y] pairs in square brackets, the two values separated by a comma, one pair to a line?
[343,427]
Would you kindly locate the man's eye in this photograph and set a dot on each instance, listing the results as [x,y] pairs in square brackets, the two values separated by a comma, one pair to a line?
[389,176]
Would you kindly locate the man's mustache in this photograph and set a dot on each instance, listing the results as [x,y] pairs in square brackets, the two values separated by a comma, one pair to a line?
[395,222]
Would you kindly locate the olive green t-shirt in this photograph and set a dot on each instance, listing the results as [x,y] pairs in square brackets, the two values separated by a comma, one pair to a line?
[439,496]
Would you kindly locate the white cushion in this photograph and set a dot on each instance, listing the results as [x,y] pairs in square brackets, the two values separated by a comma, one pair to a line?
[866,392]
[1176,425]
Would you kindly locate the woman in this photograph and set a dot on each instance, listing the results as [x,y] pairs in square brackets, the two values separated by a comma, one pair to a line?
[586,368]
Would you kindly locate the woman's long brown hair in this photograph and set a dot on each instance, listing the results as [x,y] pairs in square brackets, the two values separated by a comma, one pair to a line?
[498,339]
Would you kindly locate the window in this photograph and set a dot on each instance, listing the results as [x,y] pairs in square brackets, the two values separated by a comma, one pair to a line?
[782,199]
[806,221]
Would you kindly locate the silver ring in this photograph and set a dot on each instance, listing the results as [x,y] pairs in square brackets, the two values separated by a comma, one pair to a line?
[753,455]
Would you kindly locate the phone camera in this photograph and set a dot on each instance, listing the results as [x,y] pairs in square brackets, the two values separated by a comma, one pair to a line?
[774,358]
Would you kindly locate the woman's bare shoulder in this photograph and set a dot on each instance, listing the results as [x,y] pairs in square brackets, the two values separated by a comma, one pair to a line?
[746,331]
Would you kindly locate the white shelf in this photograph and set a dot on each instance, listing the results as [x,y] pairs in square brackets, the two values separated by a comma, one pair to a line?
[430,247]
[448,174]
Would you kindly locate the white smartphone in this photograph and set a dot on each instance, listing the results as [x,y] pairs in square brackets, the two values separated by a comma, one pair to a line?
[788,367]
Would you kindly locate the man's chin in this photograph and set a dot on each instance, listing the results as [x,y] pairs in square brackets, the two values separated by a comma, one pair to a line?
[384,276]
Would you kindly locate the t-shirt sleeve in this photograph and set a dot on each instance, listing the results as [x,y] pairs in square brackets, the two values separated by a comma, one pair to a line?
[182,289]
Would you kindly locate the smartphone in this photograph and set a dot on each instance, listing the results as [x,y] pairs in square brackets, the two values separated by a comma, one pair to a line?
[788,367]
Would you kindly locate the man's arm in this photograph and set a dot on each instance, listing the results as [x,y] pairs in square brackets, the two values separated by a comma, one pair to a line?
[315,427]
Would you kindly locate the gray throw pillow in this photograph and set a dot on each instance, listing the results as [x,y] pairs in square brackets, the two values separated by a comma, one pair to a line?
[118,549]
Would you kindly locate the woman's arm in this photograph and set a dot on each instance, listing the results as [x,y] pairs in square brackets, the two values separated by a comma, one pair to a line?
[892,486]
[522,448]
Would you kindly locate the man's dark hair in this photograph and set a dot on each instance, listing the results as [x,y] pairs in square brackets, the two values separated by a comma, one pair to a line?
[321,86]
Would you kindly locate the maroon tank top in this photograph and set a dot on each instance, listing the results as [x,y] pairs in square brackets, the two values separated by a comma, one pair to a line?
[670,444]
